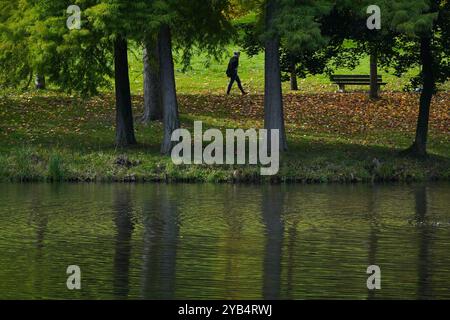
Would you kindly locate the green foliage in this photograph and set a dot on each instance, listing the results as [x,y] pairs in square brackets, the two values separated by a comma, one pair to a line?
[397,44]
[23,164]
[35,39]
[298,24]
[427,19]
[15,64]
[410,17]
[55,168]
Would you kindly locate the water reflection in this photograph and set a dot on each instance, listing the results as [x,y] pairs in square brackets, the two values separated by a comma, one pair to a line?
[228,242]
[425,232]
[272,209]
[233,219]
[161,230]
[374,233]
[38,219]
[123,219]
[292,252]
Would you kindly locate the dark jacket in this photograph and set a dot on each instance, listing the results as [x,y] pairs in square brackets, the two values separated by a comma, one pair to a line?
[233,66]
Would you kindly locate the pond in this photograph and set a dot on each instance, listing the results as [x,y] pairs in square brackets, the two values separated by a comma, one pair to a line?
[224,241]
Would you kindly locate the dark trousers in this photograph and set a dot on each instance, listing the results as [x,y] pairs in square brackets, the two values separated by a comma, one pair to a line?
[234,78]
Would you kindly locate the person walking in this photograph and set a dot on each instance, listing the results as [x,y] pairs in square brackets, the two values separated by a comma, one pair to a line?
[232,73]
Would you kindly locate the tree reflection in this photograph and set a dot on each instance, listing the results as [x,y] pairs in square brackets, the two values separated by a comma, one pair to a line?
[292,250]
[161,231]
[424,290]
[374,232]
[272,210]
[232,215]
[123,219]
[38,218]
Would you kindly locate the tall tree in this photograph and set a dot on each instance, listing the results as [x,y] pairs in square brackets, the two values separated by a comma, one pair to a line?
[293,75]
[186,25]
[284,26]
[81,60]
[297,23]
[273,99]
[424,41]
[347,23]
[413,33]
[374,88]
[124,114]
[153,108]
[122,20]
[35,40]
[168,89]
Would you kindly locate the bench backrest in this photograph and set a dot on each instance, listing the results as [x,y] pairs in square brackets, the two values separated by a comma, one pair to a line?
[353,78]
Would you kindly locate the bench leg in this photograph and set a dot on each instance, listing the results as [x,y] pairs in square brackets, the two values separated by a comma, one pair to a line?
[342,88]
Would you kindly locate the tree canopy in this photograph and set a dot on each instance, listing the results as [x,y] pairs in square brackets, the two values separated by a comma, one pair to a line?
[298,37]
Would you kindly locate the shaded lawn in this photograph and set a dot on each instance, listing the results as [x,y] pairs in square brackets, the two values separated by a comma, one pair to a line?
[332,137]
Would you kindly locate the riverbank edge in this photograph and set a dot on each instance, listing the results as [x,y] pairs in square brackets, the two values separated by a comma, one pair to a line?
[32,168]
[276,180]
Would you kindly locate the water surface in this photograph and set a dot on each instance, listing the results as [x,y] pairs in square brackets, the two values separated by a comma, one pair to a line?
[224,241]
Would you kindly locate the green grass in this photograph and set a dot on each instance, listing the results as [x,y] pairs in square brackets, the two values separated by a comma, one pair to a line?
[310,160]
[49,136]
[207,76]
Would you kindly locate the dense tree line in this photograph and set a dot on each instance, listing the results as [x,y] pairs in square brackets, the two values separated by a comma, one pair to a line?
[297,37]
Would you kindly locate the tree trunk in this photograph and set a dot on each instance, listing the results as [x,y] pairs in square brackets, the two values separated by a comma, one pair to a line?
[419,148]
[293,71]
[273,99]
[30,79]
[40,82]
[152,89]
[124,115]
[374,75]
[168,89]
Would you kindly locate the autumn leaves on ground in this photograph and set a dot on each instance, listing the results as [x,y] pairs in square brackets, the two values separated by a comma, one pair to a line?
[333,137]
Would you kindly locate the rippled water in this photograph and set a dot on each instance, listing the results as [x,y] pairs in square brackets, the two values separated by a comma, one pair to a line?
[225,242]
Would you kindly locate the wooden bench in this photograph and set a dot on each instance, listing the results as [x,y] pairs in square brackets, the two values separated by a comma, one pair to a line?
[356,80]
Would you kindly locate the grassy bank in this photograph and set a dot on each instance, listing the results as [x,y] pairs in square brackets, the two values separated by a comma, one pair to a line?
[332,138]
